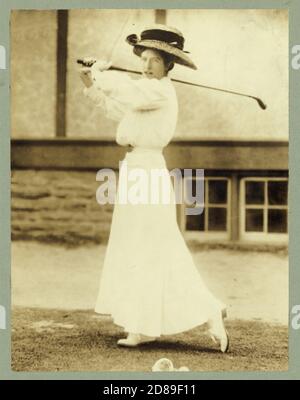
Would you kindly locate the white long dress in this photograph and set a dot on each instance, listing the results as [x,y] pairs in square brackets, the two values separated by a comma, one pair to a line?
[149,282]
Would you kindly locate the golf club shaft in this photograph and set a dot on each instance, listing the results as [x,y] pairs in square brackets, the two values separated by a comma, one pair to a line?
[261,104]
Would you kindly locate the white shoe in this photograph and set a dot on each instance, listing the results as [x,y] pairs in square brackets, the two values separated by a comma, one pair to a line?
[218,332]
[224,340]
[135,339]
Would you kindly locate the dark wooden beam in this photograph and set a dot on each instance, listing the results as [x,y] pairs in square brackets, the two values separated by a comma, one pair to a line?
[223,156]
[228,155]
[161,17]
[61,79]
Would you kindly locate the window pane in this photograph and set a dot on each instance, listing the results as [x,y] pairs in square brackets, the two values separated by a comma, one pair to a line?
[217,192]
[195,222]
[254,221]
[255,192]
[195,187]
[277,221]
[217,219]
[277,192]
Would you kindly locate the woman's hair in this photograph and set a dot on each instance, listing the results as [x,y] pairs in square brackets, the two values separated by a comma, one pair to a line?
[168,59]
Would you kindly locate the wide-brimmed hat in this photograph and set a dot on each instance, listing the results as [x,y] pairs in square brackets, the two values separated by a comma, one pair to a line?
[164,38]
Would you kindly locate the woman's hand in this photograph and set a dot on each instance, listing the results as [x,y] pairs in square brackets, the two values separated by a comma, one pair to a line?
[96,66]
[101,65]
[86,76]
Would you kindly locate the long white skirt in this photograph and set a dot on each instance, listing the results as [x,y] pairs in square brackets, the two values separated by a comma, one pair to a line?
[149,282]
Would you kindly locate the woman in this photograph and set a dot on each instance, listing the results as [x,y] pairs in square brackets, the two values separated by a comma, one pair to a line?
[149,284]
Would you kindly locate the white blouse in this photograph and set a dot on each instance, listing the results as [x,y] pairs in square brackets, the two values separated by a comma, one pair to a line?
[145,108]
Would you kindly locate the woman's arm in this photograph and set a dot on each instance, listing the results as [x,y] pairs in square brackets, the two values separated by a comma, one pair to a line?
[113,109]
[137,94]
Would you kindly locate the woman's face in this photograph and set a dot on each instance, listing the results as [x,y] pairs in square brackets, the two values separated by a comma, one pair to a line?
[153,65]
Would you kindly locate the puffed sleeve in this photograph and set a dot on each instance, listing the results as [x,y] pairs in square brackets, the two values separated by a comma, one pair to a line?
[113,109]
[135,94]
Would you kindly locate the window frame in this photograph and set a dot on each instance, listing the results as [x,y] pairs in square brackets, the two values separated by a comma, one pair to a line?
[261,236]
[210,235]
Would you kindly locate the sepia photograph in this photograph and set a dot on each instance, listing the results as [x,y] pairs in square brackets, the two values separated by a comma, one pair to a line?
[149,190]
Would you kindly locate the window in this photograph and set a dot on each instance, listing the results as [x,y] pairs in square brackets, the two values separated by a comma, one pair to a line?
[214,221]
[264,208]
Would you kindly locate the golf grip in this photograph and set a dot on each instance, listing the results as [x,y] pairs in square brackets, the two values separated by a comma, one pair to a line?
[89,64]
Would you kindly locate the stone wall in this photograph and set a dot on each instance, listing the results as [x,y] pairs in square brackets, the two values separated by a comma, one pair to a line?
[58,206]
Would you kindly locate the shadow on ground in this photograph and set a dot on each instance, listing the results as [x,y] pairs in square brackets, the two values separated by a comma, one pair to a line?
[58,340]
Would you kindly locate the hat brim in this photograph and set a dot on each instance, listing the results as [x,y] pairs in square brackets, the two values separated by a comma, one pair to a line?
[180,56]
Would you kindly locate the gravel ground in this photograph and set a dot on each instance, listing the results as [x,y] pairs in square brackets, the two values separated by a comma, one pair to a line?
[57,340]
